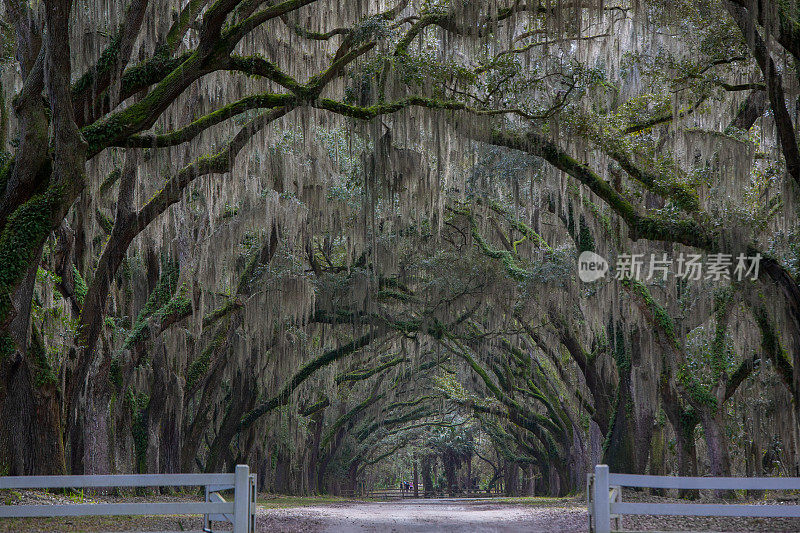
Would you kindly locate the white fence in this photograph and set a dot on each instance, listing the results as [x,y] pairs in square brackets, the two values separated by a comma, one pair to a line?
[240,512]
[604,493]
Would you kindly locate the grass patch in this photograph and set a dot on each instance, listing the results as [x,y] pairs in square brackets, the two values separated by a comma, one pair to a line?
[541,501]
[277,501]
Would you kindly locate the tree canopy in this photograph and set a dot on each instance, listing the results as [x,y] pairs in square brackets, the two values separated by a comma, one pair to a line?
[340,240]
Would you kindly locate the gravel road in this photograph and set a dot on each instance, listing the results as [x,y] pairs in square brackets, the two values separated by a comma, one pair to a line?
[417,516]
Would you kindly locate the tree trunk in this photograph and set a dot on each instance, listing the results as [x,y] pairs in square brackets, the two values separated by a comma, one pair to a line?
[31,439]
[620,451]
[416,478]
[511,478]
[717,445]
[427,478]
[313,446]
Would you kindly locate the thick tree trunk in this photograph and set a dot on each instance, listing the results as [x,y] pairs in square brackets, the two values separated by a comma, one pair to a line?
[31,424]
[449,465]
[416,478]
[658,456]
[427,477]
[313,447]
[31,435]
[511,478]
[620,451]
[717,445]
[96,434]
[243,398]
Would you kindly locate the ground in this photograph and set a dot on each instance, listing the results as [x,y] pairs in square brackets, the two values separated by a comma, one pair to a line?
[282,514]
[435,515]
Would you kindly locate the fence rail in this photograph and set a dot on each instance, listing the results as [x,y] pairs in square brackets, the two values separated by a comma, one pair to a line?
[240,512]
[604,497]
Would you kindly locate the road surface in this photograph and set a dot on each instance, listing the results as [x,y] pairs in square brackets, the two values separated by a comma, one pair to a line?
[432,515]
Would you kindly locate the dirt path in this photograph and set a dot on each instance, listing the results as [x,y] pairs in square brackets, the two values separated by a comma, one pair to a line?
[416,516]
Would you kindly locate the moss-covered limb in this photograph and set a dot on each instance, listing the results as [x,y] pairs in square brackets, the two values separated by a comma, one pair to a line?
[343,316]
[450,22]
[304,373]
[236,32]
[698,394]
[229,306]
[391,451]
[219,163]
[348,417]
[206,377]
[661,118]
[400,296]
[81,289]
[742,372]
[370,112]
[316,407]
[263,256]
[507,257]
[142,114]
[199,367]
[684,231]
[112,60]
[505,439]
[138,406]
[317,82]
[189,132]
[428,19]
[558,414]
[775,92]
[315,35]
[44,373]
[774,351]
[23,236]
[409,403]
[105,222]
[781,19]
[256,65]
[655,314]
[539,425]
[144,74]
[682,194]
[180,26]
[503,442]
[722,306]
[207,58]
[546,348]
[235,303]
[600,389]
[365,373]
[520,226]
[164,289]
[419,413]
[163,301]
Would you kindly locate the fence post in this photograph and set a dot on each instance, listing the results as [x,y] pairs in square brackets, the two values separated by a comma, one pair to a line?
[602,505]
[241,499]
[590,500]
[253,502]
